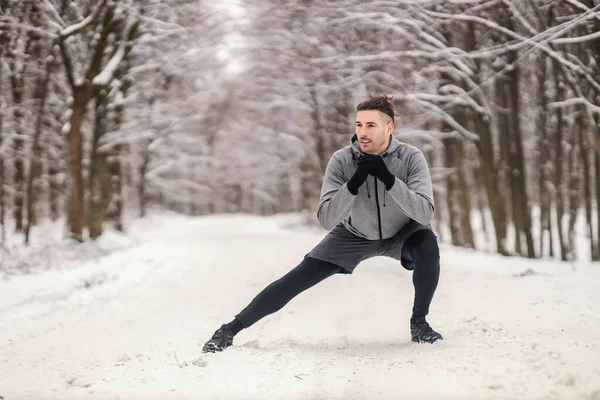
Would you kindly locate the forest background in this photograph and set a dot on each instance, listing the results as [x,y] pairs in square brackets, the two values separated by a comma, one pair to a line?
[112,107]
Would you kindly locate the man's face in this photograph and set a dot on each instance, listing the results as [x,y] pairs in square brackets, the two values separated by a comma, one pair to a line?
[373,130]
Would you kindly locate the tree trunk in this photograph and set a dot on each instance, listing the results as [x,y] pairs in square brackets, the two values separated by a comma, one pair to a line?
[465,197]
[439,215]
[519,157]
[143,170]
[321,147]
[114,196]
[114,212]
[83,91]
[544,160]
[311,181]
[97,202]
[559,163]
[489,171]
[573,157]
[594,52]
[451,195]
[490,179]
[507,167]
[16,79]
[34,162]
[459,205]
[2,204]
[284,194]
[597,167]
[55,189]
[55,156]
[114,192]
[582,131]
[480,193]
[75,155]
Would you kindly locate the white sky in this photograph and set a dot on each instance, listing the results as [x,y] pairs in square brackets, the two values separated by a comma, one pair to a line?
[236,13]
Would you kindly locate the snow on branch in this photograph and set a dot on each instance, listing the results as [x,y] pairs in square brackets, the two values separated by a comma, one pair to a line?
[104,77]
[576,100]
[519,17]
[578,39]
[73,29]
[471,86]
[444,116]
[542,45]
[10,26]
[454,90]
[54,13]
[581,6]
[450,101]
[382,56]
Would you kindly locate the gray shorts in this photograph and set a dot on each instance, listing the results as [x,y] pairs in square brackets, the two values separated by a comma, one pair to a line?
[347,250]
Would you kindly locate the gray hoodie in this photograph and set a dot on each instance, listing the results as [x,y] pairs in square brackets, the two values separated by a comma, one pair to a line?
[375,213]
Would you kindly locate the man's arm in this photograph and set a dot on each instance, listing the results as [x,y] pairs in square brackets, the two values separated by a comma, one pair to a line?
[336,200]
[415,197]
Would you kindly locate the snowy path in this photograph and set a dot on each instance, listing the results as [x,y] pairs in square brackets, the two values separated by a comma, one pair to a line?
[506,336]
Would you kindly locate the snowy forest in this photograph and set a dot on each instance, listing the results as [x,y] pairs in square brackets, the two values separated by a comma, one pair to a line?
[201,107]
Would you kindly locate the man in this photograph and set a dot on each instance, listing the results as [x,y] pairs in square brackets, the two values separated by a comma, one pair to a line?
[376,200]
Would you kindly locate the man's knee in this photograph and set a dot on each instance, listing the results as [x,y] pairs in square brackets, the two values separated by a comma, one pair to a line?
[426,243]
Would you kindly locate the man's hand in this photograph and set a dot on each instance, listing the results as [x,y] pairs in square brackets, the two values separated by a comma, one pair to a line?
[376,167]
[359,177]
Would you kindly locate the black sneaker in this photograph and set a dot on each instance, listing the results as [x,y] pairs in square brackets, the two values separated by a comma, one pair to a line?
[421,332]
[221,339]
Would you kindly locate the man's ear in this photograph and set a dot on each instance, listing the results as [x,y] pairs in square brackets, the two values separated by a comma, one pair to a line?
[389,127]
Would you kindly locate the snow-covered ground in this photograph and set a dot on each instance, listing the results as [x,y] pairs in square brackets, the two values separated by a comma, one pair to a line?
[129,321]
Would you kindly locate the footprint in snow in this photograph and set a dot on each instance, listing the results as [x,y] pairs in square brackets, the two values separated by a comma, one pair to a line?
[253,344]
[121,361]
[198,362]
[77,381]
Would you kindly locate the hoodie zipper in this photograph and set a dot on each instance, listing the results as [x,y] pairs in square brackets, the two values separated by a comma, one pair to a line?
[378,210]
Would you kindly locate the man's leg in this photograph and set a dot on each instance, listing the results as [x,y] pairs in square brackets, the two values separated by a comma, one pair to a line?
[423,248]
[307,274]
[271,299]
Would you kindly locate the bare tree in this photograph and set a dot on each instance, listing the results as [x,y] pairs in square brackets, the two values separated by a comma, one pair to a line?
[3,42]
[36,154]
[105,19]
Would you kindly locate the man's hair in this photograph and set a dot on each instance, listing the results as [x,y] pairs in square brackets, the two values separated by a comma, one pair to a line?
[379,102]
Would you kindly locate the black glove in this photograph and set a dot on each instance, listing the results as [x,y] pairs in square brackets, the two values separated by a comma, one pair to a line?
[357,180]
[376,167]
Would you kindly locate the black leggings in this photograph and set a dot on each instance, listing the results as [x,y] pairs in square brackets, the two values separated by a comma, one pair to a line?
[422,246]
[307,274]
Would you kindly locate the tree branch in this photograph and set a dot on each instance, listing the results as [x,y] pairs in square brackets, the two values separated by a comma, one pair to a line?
[78,27]
[581,6]
[574,101]
[103,78]
[70,31]
[67,62]
[54,13]
[98,52]
[541,45]
[578,39]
